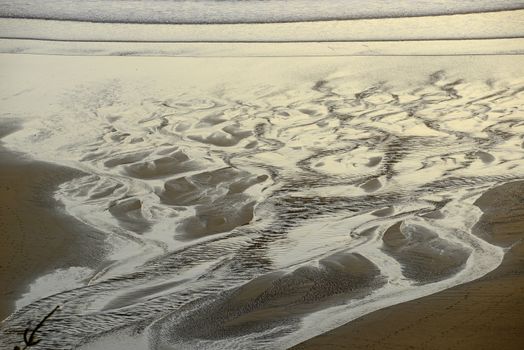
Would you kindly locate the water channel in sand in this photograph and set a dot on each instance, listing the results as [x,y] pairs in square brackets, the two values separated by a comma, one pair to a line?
[257,202]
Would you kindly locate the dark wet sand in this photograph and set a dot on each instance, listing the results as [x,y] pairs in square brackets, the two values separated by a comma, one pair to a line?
[36,236]
[484,314]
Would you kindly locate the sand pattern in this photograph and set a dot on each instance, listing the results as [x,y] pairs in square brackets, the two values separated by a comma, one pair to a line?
[259,218]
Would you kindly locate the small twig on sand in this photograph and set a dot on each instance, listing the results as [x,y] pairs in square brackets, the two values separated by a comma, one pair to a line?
[29,335]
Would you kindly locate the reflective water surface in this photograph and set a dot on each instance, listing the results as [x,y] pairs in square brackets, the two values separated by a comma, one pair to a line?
[254,203]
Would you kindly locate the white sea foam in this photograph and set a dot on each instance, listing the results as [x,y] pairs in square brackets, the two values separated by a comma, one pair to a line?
[54,282]
[240,11]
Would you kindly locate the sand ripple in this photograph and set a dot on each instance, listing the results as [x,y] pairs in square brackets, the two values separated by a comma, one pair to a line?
[240,215]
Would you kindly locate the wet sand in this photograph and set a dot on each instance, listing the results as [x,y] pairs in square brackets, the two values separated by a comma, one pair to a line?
[254,212]
[36,235]
[484,314]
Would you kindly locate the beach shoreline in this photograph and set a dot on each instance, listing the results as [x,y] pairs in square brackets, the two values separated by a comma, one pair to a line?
[37,236]
[482,314]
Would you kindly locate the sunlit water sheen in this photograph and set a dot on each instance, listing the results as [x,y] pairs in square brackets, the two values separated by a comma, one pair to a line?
[254,203]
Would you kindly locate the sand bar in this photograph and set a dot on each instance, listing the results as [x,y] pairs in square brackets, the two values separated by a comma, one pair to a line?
[483,314]
[36,236]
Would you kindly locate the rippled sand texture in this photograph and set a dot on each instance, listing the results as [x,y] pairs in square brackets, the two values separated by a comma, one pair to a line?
[259,215]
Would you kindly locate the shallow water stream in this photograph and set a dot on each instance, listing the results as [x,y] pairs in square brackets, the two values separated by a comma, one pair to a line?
[253,210]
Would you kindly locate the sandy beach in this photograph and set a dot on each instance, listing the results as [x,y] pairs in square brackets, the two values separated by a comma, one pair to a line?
[257,202]
[484,314]
[269,175]
[37,236]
